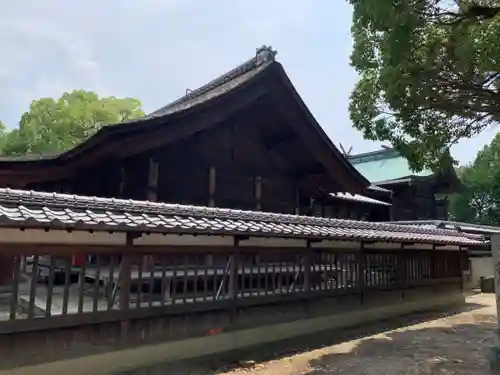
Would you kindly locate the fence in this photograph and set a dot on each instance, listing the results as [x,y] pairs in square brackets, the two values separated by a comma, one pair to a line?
[50,290]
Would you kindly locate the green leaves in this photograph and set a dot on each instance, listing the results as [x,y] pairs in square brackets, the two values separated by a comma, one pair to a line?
[429,75]
[479,200]
[51,126]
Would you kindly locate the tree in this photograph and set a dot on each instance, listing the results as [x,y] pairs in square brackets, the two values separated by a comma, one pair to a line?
[51,126]
[3,134]
[479,200]
[429,73]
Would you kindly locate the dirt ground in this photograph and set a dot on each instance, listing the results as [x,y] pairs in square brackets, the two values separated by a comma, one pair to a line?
[455,343]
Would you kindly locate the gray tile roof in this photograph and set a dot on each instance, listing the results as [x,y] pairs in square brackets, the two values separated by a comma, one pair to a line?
[29,209]
[378,188]
[452,225]
[358,198]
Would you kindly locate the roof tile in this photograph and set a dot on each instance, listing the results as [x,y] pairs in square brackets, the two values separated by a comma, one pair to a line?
[19,208]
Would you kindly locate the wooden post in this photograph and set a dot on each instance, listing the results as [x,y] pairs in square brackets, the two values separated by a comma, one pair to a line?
[434,274]
[152,194]
[495,351]
[123,282]
[6,273]
[125,274]
[123,181]
[296,199]
[258,193]
[402,273]
[233,272]
[212,179]
[211,186]
[361,260]
[307,267]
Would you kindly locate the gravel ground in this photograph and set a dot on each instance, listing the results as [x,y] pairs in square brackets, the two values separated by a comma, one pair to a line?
[455,343]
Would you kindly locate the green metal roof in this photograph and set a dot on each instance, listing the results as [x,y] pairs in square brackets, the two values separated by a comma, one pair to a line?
[384,165]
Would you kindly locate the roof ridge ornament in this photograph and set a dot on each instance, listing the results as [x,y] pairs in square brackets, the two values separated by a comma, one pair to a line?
[265,54]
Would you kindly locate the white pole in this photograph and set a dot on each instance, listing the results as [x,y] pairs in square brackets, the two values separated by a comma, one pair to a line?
[495,352]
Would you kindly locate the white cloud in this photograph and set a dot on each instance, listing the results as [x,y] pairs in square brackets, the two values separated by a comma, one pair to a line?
[64,44]
[42,55]
[156,49]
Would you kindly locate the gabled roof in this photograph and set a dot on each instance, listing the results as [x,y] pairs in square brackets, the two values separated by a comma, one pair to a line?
[264,57]
[261,76]
[385,166]
[28,209]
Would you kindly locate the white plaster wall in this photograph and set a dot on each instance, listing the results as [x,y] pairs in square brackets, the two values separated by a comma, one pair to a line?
[480,267]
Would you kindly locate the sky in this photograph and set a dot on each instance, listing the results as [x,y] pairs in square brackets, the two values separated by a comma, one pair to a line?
[154,50]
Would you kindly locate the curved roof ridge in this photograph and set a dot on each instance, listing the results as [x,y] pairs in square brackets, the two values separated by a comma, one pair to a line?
[264,54]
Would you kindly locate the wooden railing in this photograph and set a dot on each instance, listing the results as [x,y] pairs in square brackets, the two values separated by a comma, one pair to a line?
[55,291]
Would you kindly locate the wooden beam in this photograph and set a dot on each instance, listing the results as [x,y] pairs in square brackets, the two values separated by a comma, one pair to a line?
[59,249]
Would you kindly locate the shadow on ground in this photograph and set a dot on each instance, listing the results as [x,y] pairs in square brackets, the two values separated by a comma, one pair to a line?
[263,353]
[461,349]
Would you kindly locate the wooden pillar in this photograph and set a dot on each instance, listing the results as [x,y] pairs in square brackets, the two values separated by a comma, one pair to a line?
[6,272]
[124,274]
[211,186]
[212,181]
[434,265]
[495,350]
[233,271]
[307,267]
[152,194]
[361,261]
[402,269]
[258,193]
[123,181]
[296,199]
[126,258]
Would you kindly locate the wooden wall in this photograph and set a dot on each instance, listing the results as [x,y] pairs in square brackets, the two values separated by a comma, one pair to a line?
[228,165]
[417,202]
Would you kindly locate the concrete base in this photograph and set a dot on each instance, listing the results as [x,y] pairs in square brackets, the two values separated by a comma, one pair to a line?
[151,355]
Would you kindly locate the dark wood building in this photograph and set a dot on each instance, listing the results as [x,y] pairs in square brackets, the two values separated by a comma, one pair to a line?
[414,195]
[80,268]
[245,140]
